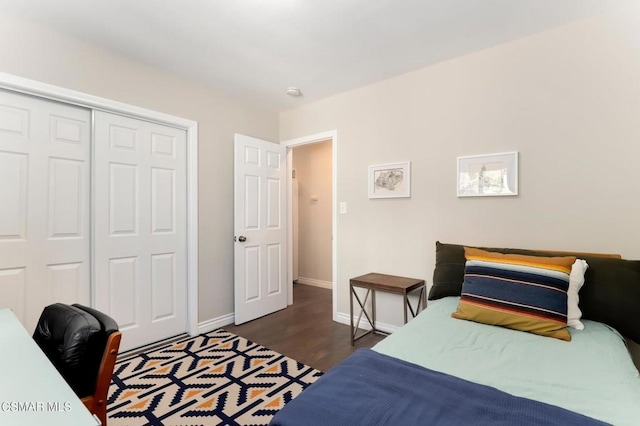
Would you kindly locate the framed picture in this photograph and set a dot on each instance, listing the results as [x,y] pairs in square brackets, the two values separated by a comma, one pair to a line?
[490,175]
[391,180]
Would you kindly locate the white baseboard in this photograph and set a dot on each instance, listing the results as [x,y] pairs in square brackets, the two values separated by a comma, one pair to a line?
[364,324]
[341,317]
[315,283]
[215,323]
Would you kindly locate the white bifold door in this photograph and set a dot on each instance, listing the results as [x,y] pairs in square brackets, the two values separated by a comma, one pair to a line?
[140,226]
[45,150]
[99,221]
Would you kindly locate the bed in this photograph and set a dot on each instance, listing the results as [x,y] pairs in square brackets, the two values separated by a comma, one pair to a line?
[438,369]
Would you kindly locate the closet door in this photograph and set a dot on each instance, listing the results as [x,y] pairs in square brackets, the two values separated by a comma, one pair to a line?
[44,205]
[140,227]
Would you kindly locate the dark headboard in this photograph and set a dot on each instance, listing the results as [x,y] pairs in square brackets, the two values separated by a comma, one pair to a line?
[634,350]
[611,291]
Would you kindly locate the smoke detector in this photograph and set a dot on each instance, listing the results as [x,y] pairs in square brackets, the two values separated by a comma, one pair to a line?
[293,91]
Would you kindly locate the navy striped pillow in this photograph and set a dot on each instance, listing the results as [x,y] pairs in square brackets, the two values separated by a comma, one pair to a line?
[526,293]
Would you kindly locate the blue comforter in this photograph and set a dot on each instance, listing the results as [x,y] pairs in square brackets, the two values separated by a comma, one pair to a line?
[370,388]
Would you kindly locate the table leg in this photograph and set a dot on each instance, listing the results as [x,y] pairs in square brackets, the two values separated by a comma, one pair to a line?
[406,301]
[373,310]
[351,310]
[362,303]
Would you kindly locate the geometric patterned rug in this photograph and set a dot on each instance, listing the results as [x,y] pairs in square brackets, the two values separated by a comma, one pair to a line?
[216,378]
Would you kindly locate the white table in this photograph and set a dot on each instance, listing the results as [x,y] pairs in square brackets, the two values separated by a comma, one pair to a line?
[32,392]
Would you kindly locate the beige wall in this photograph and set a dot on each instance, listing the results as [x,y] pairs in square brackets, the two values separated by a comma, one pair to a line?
[38,53]
[312,164]
[568,100]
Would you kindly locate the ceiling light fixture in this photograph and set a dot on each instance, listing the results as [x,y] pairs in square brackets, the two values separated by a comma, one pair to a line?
[294,91]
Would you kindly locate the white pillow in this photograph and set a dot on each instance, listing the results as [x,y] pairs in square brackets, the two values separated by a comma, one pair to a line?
[576,281]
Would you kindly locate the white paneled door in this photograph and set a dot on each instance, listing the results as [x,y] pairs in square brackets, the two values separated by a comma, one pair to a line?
[259,226]
[140,227]
[44,204]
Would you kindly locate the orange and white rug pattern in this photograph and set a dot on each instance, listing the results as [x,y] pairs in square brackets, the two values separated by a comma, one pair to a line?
[212,379]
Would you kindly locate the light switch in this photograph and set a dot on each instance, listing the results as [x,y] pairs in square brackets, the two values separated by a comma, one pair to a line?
[343,207]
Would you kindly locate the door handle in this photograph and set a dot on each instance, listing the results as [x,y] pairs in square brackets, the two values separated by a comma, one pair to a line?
[242,238]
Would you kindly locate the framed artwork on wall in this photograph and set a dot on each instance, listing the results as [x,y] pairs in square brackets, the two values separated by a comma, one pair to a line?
[489,175]
[392,180]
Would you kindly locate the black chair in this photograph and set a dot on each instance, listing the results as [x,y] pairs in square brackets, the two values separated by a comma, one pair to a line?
[82,343]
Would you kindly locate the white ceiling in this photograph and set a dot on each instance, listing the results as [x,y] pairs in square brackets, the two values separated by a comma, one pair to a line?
[255,49]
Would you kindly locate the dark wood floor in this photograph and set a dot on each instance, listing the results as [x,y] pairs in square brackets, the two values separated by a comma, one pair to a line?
[305,330]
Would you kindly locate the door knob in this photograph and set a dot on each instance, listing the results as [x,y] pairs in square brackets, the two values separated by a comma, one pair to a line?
[242,238]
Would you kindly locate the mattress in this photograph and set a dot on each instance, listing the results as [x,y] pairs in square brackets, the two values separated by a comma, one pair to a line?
[592,374]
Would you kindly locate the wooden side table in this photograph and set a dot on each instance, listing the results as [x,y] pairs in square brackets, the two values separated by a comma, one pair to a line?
[388,283]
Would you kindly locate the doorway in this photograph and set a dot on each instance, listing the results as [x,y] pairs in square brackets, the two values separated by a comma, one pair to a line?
[314,159]
[311,214]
